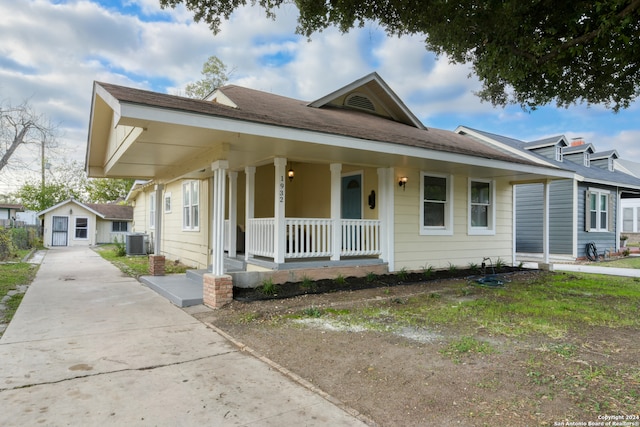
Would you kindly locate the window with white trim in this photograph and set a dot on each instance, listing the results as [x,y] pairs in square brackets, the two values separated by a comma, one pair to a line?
[152,210]
[82,228]
[627,220]
[558,153]
[436,213]
[587,159]
[190,205]
[598,205]
[481,206]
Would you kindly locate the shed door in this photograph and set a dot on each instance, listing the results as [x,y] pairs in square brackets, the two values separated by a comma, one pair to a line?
[60,231]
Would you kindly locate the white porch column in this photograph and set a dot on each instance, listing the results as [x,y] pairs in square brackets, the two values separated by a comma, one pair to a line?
[545,222]
[249,204]
[219,169]
[336,203]
[233,213]
[279,205]
[386,186]
[157,243]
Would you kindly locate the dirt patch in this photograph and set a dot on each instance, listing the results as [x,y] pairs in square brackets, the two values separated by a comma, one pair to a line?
[415,376]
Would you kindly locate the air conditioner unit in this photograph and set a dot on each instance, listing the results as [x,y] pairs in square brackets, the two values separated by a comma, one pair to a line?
[136,244]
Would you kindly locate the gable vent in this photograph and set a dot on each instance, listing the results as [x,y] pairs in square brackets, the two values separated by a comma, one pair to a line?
[359,101]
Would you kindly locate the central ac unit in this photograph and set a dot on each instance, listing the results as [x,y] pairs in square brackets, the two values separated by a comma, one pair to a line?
[136,244]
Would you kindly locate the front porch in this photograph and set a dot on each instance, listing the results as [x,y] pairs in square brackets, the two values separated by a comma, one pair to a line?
[185,290]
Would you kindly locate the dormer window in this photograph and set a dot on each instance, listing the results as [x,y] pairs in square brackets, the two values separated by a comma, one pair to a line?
[587,159]
[610,164]
[558,153]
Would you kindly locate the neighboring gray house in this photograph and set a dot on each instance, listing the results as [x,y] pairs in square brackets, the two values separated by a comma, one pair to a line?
[581,210]
[630,203]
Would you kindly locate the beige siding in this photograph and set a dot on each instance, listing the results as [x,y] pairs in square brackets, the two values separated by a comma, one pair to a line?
[187,246]
[72,212]
[140,213]
[104,233]
[414,251]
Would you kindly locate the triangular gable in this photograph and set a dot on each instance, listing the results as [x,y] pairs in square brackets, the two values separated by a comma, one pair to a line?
[581,148]
[371,94]
[82,205]
[547,142]
[605,155]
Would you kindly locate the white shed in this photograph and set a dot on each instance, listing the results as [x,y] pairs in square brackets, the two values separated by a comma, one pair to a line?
[72,223]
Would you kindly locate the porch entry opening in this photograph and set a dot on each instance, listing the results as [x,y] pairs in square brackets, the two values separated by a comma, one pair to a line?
[351,208]
[59,231]
[313,237]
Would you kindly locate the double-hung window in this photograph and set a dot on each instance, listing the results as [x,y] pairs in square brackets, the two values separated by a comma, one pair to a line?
[436,213]
[481,206]
[82,228]
[598,210]
[190,205]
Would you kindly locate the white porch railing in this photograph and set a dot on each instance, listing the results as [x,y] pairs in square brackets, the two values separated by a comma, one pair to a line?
[308,238]
[311,237]
[360,237]
[260,237]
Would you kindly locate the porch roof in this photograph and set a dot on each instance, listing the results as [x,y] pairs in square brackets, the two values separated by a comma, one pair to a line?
[141,134]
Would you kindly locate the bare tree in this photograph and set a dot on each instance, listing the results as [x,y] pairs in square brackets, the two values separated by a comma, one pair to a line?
[21,125]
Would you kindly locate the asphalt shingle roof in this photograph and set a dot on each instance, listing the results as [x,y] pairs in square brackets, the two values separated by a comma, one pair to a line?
[261,107]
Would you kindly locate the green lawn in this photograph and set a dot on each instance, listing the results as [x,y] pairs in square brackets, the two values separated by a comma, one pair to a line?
[550,305]
[627,262]
[137,265]
[12,275]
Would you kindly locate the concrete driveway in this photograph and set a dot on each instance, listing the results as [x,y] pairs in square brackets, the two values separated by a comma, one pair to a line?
[90,346]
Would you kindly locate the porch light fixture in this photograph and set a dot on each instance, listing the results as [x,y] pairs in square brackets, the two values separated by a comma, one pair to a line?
[291,174]
[403,182]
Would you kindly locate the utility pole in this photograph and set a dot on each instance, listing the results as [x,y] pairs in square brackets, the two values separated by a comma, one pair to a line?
[43,164]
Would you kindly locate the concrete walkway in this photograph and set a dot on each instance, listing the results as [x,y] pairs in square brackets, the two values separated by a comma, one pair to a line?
[595,269]
[90,346]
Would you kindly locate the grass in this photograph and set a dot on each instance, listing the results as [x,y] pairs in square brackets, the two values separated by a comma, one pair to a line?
[138,265]
[465,346]
[12,275]
[550,306]
[630,262]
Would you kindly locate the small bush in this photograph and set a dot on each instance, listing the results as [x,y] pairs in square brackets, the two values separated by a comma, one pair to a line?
[6,245]
[500,264]
[371,276]
[340,280]
[268,287]
[427,271]
[20,238]
[403,274]
[120,248]
[312,312]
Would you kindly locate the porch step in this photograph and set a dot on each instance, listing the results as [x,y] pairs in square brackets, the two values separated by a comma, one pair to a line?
[177,288]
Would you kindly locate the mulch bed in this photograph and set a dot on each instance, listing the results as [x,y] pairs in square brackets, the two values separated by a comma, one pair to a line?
[293,289]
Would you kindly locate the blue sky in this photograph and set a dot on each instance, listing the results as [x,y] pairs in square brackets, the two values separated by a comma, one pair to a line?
[53,50]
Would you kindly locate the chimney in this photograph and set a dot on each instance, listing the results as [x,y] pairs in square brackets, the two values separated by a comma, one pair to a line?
[577,141]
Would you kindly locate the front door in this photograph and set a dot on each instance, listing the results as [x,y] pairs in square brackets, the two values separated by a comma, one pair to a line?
[59,231]
[352,197]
